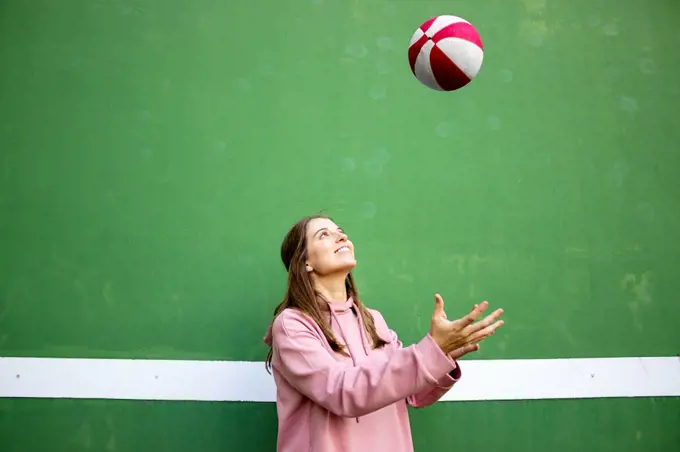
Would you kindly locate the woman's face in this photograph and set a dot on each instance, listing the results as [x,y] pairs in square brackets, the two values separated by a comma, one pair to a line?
[328,249]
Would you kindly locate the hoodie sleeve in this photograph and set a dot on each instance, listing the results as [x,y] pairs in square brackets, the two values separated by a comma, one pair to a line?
[432,392]
[435,391]
[381,379]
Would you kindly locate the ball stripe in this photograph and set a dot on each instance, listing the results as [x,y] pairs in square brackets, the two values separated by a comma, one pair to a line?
[462,30]
[465,55]
[423,66]
[449,76]
[416,37]
[431,27]
[414,51]
[428,24]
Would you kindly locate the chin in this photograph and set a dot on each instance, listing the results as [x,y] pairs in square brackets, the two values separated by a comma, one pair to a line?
[339,264]
[347,266]
[350,260]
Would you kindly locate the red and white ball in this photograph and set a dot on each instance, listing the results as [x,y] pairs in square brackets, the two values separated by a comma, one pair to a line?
[445,53]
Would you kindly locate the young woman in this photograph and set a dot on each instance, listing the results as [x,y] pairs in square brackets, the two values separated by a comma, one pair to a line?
[343,378]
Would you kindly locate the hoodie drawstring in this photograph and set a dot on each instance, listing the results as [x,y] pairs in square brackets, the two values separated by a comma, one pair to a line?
[344,338]
[362,330]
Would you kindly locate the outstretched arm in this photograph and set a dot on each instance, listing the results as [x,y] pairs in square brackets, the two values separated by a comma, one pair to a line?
[345,390]
[433,391]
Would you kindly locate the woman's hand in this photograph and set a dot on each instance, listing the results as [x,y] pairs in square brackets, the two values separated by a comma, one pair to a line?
[459,337]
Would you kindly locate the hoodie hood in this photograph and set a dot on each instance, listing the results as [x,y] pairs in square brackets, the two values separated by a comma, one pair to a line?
[328,307]
[268,336]
[332,311]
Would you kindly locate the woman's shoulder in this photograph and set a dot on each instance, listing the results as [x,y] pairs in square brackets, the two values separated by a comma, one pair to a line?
[377,316]
[291,321]
[381,327]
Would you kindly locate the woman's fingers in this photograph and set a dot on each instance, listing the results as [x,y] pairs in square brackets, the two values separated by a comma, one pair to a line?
[488,320]
[438,305]
[484,333]
[473,315]
[464,350]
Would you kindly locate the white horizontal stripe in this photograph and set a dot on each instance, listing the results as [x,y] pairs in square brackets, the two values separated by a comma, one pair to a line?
[506,379]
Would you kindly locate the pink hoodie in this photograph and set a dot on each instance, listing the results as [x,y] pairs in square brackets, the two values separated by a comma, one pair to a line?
[328,402]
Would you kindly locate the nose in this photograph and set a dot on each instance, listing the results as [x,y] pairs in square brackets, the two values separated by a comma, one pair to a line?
[342,237]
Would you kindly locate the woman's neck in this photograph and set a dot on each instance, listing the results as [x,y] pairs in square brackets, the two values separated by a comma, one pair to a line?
[332,288]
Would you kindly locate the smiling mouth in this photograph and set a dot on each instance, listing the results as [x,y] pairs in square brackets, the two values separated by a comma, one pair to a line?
[342,249]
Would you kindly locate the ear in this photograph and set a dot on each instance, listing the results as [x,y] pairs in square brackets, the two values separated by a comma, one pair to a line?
[308,268]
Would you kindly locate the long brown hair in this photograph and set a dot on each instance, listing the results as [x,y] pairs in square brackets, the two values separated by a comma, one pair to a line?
[300,293]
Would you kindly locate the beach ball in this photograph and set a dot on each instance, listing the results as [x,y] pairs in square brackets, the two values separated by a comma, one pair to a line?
[445,53]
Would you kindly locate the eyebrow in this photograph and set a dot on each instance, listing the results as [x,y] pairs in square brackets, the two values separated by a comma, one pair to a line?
[326,229]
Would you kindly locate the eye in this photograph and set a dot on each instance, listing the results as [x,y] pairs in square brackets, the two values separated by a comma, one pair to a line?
[323,234]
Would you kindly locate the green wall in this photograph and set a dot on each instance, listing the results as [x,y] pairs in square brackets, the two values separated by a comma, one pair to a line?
[153,154]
